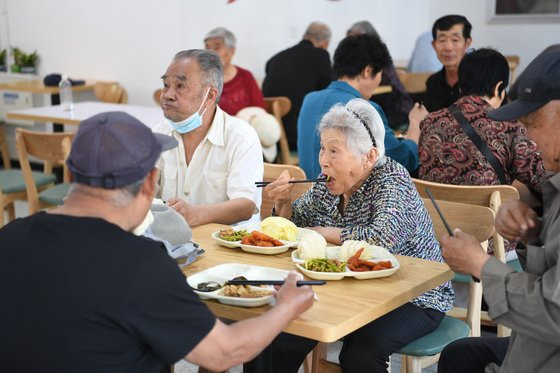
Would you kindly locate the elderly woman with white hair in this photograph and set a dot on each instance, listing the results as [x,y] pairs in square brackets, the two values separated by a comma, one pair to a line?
[240,88]
[368,197]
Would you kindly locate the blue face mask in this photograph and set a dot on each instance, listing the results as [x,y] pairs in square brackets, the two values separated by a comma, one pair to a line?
[192,122]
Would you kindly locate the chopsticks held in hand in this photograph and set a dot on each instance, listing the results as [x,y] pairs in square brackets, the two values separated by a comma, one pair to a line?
[444,221]
[273,282]
[261,184]
[439,212]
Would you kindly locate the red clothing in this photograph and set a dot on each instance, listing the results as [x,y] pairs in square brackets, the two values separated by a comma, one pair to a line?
[241,92]
[447,155]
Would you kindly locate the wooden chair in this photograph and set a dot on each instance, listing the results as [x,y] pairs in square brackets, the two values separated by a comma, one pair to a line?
[280,106]
[111,92]
[157,95]
[490,196]
[413,82]
[271,173]
[12,183]
[475,220]
[513,62]
[53,149]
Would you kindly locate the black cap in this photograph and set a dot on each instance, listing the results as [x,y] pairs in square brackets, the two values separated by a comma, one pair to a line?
[114,149]
[539,84]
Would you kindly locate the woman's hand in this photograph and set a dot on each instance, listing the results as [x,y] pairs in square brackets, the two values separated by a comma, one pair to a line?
[279,190]
[331,234]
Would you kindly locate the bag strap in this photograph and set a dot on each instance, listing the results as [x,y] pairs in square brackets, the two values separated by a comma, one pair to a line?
[480,144]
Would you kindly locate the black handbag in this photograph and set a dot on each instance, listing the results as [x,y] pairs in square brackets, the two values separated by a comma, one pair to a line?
[480,144]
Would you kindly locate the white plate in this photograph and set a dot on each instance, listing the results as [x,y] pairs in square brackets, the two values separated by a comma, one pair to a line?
[348,273]
[225,272]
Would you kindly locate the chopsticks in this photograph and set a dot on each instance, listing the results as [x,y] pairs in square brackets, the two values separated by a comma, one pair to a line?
[261,184]
[273,282]
[439,212]
[444,221]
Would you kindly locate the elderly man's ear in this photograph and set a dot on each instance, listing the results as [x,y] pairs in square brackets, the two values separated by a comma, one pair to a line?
[148,189]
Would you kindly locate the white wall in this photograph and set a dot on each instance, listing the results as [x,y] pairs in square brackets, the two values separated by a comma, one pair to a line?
[132,41]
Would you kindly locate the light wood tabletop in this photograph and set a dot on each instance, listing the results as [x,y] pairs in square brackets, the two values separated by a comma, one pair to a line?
[151,116]
[342,307]
[37,86]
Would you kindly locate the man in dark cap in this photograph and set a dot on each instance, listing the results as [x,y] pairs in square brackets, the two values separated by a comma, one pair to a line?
[527,302]
[80,292]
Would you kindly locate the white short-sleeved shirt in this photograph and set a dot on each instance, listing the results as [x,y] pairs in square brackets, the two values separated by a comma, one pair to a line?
[224,166]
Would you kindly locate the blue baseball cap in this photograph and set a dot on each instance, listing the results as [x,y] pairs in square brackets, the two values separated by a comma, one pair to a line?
[539,84]
[114,149]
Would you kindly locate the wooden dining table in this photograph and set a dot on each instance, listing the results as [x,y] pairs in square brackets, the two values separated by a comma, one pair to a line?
[342,306]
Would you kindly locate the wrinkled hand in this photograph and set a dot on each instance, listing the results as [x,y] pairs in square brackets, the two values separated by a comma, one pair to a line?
[463,253]
[188,211]
[279,190]
[517,221]
[331,234]
[416,115]
[295,299]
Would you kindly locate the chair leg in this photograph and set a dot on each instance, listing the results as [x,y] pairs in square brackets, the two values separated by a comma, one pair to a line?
[319,353]
[403,363]
[413,364]
[11,212]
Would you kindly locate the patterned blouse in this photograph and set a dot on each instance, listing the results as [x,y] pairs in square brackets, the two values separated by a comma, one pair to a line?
[386,211]
[447,155]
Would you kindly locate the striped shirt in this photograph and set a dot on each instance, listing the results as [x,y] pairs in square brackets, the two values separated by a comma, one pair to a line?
[385,211]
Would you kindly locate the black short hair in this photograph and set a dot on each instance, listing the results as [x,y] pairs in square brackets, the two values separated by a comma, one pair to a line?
[446,22]
[481,70]
[355,53]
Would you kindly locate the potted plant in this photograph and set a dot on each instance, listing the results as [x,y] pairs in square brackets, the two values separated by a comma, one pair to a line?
[16,55]
[28,63]
[3,59]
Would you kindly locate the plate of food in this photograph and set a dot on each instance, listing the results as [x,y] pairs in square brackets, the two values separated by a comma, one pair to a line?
[211,284]
[357,259]
[273,235]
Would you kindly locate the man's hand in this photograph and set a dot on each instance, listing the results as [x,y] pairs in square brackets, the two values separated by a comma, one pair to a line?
[187,211]
[331,234]
[415,116]
[294,299]
[516,221]
[463,253]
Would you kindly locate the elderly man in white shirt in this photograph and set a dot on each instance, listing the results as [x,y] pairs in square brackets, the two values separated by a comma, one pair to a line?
[210,177]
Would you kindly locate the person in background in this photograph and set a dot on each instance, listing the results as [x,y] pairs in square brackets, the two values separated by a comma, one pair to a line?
[448,155]
[451,39]
[358,64]
[240,88]
[81,292]
[368,197]
[298,70]
[210,177]
[528,302]
[397,104]
[424,57]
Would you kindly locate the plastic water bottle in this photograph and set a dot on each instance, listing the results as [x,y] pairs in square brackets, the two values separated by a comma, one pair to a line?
[65,88]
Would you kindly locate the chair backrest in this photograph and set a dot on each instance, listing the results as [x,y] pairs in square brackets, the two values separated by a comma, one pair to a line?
[280,106]
[472,219]
[4,148]
[111,92]
[413,82]
[271,173]
[157,95]
[51,148]
[513,62]
[488,195]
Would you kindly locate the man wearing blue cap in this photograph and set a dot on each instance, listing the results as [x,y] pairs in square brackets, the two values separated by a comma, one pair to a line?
[80,293]
[527,302]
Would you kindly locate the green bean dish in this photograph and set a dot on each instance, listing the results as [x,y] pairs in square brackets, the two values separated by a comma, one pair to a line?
[229,234]
[324,265]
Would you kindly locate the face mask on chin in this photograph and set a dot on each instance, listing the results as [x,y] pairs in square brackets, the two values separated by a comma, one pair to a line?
[192,122]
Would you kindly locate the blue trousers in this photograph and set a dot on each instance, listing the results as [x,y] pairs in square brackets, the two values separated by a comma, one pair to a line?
[471,355]
[364,350]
